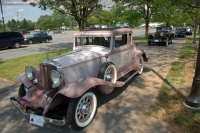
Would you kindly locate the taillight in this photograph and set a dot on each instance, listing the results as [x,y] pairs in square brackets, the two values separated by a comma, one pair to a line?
[23,37]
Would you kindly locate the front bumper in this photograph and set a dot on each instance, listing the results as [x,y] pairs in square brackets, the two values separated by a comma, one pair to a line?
[17,104]
[157,40]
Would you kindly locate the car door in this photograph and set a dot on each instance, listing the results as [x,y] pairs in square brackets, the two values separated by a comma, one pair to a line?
[37,38]
[120,56]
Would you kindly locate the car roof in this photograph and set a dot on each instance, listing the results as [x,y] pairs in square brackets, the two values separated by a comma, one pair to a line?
[103,32]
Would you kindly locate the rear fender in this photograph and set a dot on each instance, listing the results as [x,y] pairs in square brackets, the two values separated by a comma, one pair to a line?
[138,53]
[145,56]
[76,89]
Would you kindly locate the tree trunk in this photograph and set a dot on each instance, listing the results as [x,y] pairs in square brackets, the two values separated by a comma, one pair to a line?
[146,28]
[195,27]
[81,24]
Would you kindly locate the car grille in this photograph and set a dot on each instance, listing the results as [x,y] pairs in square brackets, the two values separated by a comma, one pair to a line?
[157,36]
[45,70]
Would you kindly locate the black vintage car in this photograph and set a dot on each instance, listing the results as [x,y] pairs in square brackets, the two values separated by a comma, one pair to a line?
[38,37]
[183,32]
[162,35]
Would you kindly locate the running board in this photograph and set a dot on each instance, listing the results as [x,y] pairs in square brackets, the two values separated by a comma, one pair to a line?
[132,76]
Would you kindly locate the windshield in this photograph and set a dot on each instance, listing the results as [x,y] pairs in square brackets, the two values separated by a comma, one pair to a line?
[100,41]
[181,29]
[163,28]
[31,35]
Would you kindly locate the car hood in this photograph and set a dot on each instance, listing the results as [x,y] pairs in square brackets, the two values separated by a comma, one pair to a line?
[81,54]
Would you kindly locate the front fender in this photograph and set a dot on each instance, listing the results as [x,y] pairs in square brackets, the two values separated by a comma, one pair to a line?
[22,78]
[76,89]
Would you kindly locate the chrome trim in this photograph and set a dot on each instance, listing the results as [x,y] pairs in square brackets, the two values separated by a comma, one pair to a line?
[17,105]
[53,63]
[132,76]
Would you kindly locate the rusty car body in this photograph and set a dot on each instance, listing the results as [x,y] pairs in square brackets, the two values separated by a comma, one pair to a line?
[63,90]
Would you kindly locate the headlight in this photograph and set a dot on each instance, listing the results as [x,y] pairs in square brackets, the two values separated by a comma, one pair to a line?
[55,78]
[161,33]
[30,72]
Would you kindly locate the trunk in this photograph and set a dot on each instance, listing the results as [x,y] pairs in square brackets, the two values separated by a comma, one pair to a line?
[81,24]
[147,28]
[147,18]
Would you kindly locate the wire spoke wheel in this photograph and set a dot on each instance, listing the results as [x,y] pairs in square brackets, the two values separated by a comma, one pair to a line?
[81,111]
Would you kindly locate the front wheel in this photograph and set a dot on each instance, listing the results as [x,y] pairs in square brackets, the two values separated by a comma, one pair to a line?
[149,43]
[47,40]
[81,111]
[167,42]
[30,42]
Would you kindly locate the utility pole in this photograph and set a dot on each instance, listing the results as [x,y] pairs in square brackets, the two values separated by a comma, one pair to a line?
[2,16]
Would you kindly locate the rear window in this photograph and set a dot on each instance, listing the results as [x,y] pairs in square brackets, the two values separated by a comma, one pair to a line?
[9,35]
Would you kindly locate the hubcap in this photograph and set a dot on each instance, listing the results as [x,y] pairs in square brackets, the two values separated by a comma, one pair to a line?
[84,109]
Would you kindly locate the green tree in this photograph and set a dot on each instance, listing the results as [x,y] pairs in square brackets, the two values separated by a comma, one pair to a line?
[144,8]
[79,9]
[24,25]
[12,25]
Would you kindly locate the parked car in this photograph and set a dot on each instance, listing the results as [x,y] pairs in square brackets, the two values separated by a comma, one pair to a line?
[64,89]
[183,32]
[11,40]
[57,31]
[23,32]
[38,37]
[162,35]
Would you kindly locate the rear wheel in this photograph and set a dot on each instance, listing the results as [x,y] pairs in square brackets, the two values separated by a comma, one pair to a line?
[141,66]
[17,45]
[81,111]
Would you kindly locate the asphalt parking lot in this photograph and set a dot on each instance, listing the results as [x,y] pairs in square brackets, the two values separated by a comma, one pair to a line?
[121,111]
[63,40]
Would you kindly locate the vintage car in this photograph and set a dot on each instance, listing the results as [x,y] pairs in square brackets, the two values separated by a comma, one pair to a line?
[63,90]
[162,35]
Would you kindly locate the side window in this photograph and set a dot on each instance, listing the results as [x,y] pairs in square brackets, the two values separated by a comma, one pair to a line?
[6,35]
[120,40]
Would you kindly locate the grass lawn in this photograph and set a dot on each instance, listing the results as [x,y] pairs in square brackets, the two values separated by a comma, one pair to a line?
[138,40]
[10,69]
[190,39]
[169,103]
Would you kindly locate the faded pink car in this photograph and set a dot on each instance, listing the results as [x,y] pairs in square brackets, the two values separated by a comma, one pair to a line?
[63,90]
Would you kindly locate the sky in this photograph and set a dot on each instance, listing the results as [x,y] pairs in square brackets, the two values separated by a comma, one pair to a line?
[12,8]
